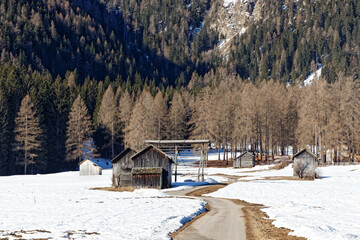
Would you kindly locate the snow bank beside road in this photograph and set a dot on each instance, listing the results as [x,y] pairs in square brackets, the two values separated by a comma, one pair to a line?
[63,205]
[322,209]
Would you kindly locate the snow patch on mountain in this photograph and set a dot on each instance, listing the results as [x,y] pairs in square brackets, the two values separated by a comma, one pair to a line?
[312,77]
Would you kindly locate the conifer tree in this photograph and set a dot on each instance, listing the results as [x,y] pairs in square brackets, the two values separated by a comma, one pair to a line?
[177,117]
[140,124]
[125,106]
[200,117]
[79,130]
[27,134]
[4,135]
[107,116]
[159,112]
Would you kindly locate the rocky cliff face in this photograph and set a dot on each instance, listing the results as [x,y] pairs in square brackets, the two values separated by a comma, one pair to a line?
[232,17]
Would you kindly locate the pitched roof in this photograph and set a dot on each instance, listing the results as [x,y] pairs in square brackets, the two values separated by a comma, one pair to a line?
[247,152]
[147,149]
[91,162]
[302,151]
[120,155]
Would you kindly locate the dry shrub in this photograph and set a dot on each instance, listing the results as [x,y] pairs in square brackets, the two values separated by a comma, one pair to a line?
[281,165]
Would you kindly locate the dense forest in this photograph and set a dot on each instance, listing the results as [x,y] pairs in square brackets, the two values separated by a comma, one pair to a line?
[296,38]
[102,75]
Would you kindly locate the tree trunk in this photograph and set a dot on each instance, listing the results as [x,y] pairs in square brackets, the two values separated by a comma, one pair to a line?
[219,152]
[112,141]
[224,152]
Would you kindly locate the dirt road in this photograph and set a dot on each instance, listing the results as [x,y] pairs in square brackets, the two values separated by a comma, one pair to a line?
[225,220]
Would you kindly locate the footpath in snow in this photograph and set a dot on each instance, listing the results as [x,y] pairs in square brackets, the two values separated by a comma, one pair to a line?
[326,208]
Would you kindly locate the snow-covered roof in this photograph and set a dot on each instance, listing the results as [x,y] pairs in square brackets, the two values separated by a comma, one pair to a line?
[96,165]
[100,162]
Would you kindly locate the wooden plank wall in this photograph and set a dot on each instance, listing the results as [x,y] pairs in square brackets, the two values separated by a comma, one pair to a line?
[122,170]
[154,158]
[147,181]
[247,161]
[88,168]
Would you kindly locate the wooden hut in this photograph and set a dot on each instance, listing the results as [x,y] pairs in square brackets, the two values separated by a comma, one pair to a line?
[88,167]
[152,169]
[304,164]
[122,166]
[245,160]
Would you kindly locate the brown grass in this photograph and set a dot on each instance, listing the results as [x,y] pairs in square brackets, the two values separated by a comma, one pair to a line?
[232,177]
[259,227]
[281,165]
[206,190]
[112,189]
[18,234]
[218,164]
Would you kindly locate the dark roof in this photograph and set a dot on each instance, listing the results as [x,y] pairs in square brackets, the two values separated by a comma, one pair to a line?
[91,162]
[120,155]
[303,151]
[244,154]
[147,170]
[147,149]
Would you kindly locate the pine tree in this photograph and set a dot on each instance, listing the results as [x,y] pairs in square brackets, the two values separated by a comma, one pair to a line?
[4,135]
[27,133]
[79,130]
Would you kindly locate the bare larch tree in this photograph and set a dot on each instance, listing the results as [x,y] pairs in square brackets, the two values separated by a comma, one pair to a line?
[79,130]
[107,116]
[27,133]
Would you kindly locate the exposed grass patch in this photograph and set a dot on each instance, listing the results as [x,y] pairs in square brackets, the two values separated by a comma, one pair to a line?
[259,227]
[19,234]
[281,165]
[113,189]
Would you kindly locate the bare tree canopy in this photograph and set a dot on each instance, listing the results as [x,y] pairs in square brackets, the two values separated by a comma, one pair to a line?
[79,130]
[107,116]
[27,134]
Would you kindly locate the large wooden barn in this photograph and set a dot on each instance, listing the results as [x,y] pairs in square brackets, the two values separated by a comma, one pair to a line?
[122,166]
[245,160]
[88,167]
[152,169]
[304,164]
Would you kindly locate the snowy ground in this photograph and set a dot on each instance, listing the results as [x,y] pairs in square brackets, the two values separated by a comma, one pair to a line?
[327,208]
[62,206]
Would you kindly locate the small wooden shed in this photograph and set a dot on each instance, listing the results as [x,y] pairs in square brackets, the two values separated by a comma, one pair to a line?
[88,167]
[122,166]
[304,164]
[245,160]
[152,169]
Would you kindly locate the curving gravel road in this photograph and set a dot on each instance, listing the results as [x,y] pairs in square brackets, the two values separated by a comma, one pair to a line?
[225,220]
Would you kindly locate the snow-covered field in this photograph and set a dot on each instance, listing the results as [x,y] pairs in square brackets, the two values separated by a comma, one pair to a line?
[327,208]
[62,206]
